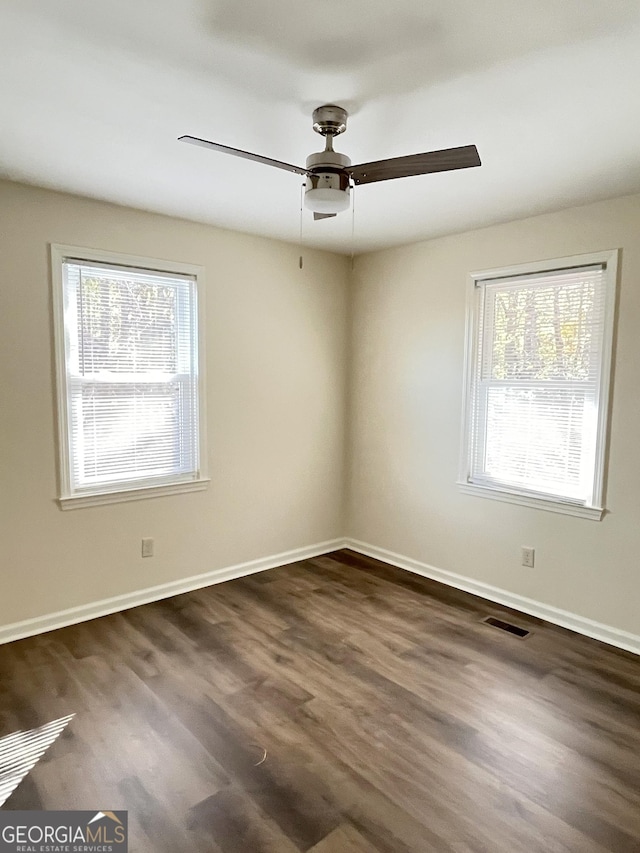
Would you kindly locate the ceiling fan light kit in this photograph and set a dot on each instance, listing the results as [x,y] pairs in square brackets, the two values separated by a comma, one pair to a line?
[330,175]
[326,193]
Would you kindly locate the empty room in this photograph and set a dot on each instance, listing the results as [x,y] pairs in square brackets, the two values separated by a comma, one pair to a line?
[319,466]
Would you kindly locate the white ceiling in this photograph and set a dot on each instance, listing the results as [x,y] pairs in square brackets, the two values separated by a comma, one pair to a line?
[93,96]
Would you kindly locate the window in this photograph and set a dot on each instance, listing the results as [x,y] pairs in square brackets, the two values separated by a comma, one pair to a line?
[129,372]
[539,341]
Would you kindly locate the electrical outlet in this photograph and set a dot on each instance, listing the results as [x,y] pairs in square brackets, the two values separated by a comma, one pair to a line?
[528,557]
[147,547]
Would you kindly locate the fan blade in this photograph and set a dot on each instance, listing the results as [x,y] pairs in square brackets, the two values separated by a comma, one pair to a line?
[323,215]
[237,152]
[416,164]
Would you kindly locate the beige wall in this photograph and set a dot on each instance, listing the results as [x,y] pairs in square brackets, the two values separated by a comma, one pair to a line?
[407,354]
[276,383]
[279,345]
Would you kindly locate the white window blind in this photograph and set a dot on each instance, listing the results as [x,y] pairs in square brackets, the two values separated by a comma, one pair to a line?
[535,420]
[131,377]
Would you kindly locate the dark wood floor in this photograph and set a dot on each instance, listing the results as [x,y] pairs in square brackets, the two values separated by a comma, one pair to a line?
[393,720]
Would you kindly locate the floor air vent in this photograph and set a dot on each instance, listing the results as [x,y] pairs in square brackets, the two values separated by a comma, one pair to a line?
[506,626]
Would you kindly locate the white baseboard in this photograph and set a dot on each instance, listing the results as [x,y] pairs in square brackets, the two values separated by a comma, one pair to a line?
[579,624]
[51,621]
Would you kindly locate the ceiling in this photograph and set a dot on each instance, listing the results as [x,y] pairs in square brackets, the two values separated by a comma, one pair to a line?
[94,96]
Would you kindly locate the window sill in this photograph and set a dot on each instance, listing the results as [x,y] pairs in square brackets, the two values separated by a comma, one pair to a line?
[136,494]
[591,512]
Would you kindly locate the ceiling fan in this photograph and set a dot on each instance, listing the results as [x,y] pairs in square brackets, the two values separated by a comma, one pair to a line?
[330,174]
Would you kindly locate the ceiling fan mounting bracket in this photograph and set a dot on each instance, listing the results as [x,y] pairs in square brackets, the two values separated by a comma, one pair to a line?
[330,120]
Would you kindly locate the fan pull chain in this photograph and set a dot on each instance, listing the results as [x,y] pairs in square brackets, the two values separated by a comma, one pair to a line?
[353,224]
[301,205]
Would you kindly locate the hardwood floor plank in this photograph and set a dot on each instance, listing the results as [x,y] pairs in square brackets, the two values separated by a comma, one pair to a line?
[344,839]
[232,821]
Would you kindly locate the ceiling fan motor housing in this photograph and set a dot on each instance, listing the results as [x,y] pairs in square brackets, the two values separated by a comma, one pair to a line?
[327,183]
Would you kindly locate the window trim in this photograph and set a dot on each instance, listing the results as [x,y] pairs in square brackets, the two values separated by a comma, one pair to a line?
[610,259]
[66,498]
